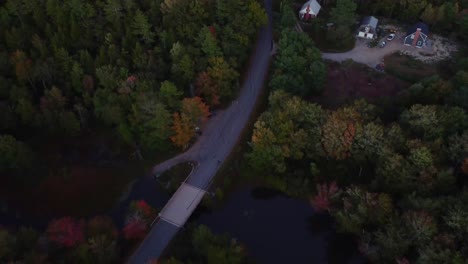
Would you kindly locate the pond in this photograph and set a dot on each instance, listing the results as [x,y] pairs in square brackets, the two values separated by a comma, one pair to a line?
[278,229]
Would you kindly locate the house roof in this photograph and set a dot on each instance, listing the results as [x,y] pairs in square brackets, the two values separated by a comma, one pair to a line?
[424,28]
[370,21]
[314,7]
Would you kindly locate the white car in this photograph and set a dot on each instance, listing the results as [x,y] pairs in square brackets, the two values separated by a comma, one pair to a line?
[391,37]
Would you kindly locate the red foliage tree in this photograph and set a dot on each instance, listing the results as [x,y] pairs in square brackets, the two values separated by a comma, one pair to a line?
[66,232]
[321,201]
[142,208]
[213,31]
[402,261]
[207,88]
[135,229]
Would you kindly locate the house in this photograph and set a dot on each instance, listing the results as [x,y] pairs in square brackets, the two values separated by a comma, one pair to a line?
[417,35]
[368,28]
[309,10]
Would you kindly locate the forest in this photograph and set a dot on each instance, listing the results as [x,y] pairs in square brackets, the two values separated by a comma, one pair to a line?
[141,74]
[392,172]
[139,68]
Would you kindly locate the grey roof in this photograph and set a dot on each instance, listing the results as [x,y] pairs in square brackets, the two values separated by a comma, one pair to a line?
[424,29]
[370,21]
[314,6]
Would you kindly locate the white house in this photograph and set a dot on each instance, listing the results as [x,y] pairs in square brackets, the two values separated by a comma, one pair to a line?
[309,10]
[368,28]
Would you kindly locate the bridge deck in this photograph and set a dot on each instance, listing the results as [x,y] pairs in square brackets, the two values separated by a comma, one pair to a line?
[181,205]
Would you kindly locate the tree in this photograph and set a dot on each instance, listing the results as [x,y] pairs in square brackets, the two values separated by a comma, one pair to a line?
[23,66]
[394,173]
[6,244]
[339,132]
[457,148]
[207,87]
[343,14]
[223,77]
[139,217]
[422,121]
[56,118]
[369,143]
[289,130]
[208,43]
[361,209]
[183,131]
[325,192]
[150,122]
[212,249]
[14,155]
[142,28]
[101,226]
[392,241]
[104,248]
[194,113]
[66,232]
[135,228]
[170,95]
[298,66]
[421,225]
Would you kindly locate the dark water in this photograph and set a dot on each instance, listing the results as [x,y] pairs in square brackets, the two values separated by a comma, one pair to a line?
[273,227]
[144,188]
[278,229]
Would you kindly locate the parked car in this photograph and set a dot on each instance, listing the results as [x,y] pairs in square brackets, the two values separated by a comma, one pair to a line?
[391,37]
[382,44]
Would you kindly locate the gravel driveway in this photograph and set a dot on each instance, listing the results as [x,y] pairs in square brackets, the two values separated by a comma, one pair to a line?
[369,56]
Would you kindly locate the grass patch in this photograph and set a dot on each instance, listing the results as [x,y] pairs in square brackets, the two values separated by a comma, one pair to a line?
[407,68]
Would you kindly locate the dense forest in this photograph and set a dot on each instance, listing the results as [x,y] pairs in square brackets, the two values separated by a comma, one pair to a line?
[147,73]
[74,67]
[142,73]
[395,177]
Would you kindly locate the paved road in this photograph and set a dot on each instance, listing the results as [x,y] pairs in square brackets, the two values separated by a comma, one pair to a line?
[219,138]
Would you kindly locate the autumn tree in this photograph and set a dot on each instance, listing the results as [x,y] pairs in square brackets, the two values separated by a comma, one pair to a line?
[193,113]
[66,232]
[217,83]
[339,132]
[325,193]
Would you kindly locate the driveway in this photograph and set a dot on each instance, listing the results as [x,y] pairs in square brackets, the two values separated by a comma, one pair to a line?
[369,56]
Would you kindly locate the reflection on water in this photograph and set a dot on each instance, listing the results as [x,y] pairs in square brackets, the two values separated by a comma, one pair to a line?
[278,229]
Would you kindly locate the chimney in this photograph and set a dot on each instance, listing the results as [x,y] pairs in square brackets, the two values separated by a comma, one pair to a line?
[416,36]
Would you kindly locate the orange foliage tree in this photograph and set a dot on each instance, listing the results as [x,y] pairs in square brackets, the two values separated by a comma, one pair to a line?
[339,131]
[464,166]
[23,65]
[194,113]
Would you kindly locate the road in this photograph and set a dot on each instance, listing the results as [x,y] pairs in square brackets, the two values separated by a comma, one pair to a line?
[369,56]
[220,136]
